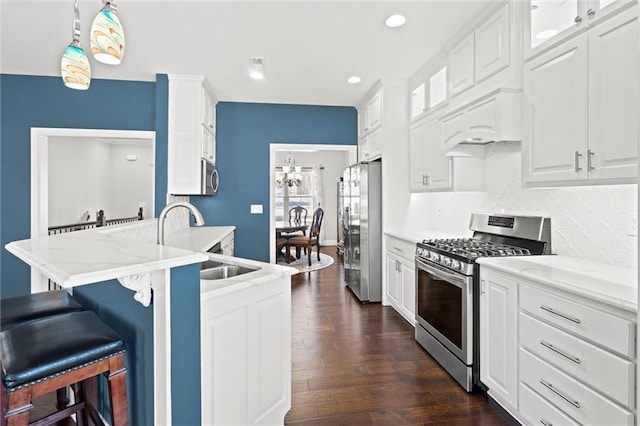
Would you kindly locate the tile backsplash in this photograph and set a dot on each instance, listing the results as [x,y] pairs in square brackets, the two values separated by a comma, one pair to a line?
[587,222]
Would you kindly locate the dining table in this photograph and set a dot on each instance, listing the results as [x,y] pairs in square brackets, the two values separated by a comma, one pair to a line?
[288,227]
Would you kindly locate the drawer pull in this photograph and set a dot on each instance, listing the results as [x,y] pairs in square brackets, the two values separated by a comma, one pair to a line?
[398,249]
[545,422]
[560,314]
[560,394]
[558,351]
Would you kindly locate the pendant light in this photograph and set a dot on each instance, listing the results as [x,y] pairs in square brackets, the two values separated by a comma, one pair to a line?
[107,36]
[74,67]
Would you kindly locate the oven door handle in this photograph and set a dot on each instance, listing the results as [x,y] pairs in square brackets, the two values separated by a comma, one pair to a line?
[438,273]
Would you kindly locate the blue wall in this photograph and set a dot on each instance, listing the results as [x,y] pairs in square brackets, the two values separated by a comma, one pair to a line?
[28,101]
[244,132]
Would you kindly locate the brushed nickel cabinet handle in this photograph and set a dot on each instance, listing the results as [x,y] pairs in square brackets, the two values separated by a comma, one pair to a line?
[591,12]
[560,352]
[545,422]
[562,395]
[590,155]
[577,19]
[577,161]
[560,314]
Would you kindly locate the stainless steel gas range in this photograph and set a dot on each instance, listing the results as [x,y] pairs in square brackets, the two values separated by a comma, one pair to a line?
[447,287]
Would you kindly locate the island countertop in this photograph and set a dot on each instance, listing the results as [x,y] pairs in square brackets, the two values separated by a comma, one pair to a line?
[91,256]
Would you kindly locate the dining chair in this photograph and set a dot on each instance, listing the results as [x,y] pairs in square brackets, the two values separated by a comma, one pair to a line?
[307,242]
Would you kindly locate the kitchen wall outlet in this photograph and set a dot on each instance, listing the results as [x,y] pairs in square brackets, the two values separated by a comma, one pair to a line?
[256,208]
[632,225]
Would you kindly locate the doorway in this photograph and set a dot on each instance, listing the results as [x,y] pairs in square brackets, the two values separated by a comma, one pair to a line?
[308,155]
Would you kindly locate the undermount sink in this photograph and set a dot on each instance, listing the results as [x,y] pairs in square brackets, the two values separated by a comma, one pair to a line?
[212,270]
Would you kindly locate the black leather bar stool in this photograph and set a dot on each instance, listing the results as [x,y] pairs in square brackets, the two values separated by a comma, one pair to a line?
[32,307]
[39,357]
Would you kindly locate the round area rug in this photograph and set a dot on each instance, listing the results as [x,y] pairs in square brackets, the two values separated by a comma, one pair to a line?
[302,264]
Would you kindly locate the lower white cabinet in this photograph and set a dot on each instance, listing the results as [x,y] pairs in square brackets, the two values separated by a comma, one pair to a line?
[401,277]
[227,245]
[246,353]
[552,357]
[498,336]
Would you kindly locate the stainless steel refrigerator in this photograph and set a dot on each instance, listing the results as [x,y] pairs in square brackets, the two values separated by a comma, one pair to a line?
[362,225]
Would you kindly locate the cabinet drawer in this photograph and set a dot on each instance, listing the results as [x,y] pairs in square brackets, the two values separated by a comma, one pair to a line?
[401,248]
[600,327]
[537,411]
[577,400]
[603,370]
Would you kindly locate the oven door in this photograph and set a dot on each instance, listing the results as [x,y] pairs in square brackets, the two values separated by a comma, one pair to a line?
[444,307]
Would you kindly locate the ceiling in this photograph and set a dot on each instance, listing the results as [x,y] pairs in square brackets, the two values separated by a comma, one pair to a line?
[309,47]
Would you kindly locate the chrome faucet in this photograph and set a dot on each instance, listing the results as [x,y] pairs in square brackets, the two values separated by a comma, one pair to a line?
[197,216]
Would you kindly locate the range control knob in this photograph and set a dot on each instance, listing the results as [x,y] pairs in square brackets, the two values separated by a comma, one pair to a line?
[455,264]
[446,261]
[435,257]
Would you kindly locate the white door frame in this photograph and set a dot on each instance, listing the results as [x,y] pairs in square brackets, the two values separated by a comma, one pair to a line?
[276,147]
[40,171]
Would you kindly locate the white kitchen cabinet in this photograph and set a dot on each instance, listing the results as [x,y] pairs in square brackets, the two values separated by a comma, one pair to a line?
[492,45]
[246,354]
[498,336]
[370,146]
[462,66]
[227,245]
[581,107]
[191,133]
[548,355]
[370,114]
[550,22]
[430,169]
[400,277]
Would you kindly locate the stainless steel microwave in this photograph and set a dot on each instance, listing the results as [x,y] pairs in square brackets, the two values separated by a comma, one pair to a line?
[210,179]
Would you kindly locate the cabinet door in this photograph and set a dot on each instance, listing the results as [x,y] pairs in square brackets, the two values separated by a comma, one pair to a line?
[375,110]
[375,144]
[419,99]
[613,97]
[551,21]
[208,145]
[408,279]
[364,150]
[207,110]
[483,119]
[498,335]
[363,121]
[393,288]
[418,155]
[555,127]
[599,9]
[461,66]
[492,44]
[439,166]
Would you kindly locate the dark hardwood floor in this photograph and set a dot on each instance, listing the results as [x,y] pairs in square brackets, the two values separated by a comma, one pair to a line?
[355,363]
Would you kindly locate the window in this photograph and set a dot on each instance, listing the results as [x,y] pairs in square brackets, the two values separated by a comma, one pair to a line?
[438,87]
[291,196]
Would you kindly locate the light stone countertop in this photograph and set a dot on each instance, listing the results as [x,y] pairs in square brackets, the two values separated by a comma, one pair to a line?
[614,285]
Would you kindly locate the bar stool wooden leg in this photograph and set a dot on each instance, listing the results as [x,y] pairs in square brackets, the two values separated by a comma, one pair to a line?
[118,391]
[18,407]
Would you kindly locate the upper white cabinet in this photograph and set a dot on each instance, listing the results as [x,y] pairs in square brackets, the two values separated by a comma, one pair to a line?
[492,42]
[548,22]
[483,59]
[462,66]
[191,132]
[369,127]
[430,169]
[581,106]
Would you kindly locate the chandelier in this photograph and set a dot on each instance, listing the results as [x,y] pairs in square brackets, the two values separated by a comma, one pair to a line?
[291,174]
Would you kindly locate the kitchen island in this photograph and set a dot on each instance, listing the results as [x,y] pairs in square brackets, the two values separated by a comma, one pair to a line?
[160,322]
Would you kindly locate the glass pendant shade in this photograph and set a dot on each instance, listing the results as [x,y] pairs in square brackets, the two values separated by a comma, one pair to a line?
[75,67]
[107,37]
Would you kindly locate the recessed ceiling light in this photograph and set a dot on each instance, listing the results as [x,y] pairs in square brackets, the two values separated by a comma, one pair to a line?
[395,21]
[354,79]
[543,35]
[256,75]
